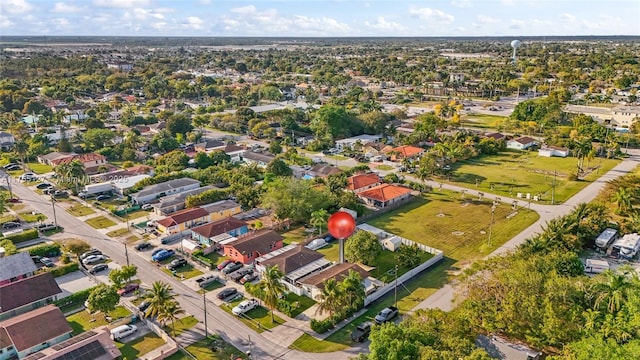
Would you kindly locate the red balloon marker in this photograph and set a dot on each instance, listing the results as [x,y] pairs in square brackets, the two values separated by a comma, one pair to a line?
[341,225]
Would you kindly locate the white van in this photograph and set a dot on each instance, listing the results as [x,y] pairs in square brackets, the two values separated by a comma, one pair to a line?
[123,331]
[595,266]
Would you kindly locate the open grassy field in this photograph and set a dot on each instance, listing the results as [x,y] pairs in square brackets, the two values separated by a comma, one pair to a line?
[80,210]
[482,121]
[134,349]
[202,350]
[295,235]
[83,321]
[100,222]
[39,168]
[258,319]
[514,172]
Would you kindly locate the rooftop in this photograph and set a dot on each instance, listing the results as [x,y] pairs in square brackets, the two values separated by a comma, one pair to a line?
[219,227]
[182,197]
[16,265]
[183,216]
[359,181]
[26,330]
[385,192]
[220,206]
[260,157]
[165,186]
[293,259]
[27,291]
[339,272]
[259,241]
[407,150]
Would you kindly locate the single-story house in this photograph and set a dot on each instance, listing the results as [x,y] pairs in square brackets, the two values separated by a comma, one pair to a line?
[314,284]
[94,344]
[28,294]
[183,220]
[222,209]
[549,151]
[6,141]
[206,234]
[361,182]
[295,261]
[373,149]
[16,267]
[349,143]
[172,203]
[208,146]
[261,159]
[33,331]
[251,246]
[404,152]
[500,348]
[384,195]
[235,152]
[153,192]
[521,143]
[123,184]
[495,136]
[323,170]
[123,174]
[90,161]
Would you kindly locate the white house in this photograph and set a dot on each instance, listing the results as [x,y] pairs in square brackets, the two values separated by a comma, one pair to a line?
[6,141]
[152,192]
[521,143]
[122,185]
[348,143]
[549,151]
[261,159]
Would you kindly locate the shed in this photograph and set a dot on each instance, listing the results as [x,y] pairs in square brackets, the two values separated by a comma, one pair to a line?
[392,243]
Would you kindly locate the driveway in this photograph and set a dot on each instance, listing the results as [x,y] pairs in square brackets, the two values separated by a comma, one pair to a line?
[74,282]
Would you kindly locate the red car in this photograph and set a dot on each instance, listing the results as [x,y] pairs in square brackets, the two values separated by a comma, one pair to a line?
[14,200]
[129,288]
[224,264]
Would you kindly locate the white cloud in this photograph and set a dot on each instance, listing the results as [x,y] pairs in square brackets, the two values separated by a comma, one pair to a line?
[121,3]
[142,14]
[382,24]
[484,19]
[15,6]
[205,2]
[432,15]
[461,3]
[194,22]
[63,8]
[507,2]
[5,23]
[516,24]
[60,22]
[244,10]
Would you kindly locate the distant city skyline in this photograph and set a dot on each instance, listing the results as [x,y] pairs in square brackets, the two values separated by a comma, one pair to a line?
[303,18]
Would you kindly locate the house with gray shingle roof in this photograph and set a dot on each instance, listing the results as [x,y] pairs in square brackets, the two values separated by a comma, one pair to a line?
[16,267]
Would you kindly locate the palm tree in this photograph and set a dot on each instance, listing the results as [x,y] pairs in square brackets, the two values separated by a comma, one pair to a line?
[330,298]
[21,147]
[354,289]
[158,296]
[170,311]
[623,198]
[319,218]
[272,287]
[612,292]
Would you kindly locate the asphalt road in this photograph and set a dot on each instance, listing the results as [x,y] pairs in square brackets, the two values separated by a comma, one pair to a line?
[220,322]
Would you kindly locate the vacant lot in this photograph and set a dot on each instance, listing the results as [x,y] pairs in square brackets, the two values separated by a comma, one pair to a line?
[140,346]
[482,121]
[510,173]
[100,222]
[83,321]
[80,210]
[202,349]
[39,168]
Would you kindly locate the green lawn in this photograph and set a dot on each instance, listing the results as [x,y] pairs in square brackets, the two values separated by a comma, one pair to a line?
[134,349]
[335,157]
[202,350]
[514,172]
[187,271]
[483,121]
[258,319]
[39,168]
[7,218]
[80,210]
[136,214]
[100,222]
[181,326]
[83,321]
[31,218]
[118,232]
[384,167]
[302,302]
[295,235]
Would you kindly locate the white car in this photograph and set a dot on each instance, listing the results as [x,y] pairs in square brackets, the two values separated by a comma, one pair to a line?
[245,306]
[92,259]
[28,177]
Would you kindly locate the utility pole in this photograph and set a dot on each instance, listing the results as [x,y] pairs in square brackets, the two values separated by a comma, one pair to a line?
[493,210]
[249,353]
[204,301]
[395,288]
[126,253]
[553,188]
[53,204]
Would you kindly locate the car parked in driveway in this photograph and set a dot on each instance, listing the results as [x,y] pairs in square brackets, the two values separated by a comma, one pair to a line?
[226,293]
[98,268]
[103,197]
[142,246]
[177,263]
[128,289]
[223,264]
[10,225]
[163,255]
[93,259]
[86,254]
[154,252]
[248,278]
[43,186]
[245,306]
[47,262]
[232,267]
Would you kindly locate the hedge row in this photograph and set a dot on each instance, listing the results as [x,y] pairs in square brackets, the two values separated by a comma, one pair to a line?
[65,269]
[76,298]
[23,236]
[47,250]
[322,326]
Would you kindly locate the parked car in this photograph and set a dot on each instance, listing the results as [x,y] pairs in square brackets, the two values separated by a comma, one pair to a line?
[163,255]
[93,259]
[123,331]
[96,269]
[60,194]
[36,259]
[237,275]
[43,186]
[245,307]
[49,191]
[147,207]
[128,289]
[45,226]
[13,167]
[361,332]
[226,293]
[232,267]
[103,197]
[89,253]
[15,200]
[9,165]
[386,314]
[223,264]
[177,263]
[144,306]
[206,280]
[28,177]
[248,278]
[47,262]
[10,225]
[142,246]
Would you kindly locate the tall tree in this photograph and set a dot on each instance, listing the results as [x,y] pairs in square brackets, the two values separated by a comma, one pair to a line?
[363,247]
[319,218]
[76,247]
[158,297]
[330,299]
[272,287]
[103,298]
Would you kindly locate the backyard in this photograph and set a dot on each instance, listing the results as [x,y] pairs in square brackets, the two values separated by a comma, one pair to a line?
[511,172]
[140,346]
[83,321]
[482,121]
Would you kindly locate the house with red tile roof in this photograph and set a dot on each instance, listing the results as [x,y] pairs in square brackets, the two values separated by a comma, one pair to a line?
[27,294]
[90,161]
[33,331]
[183,220]
[249,247]
[384,195]
[361,182]
[521,143]
[404,152]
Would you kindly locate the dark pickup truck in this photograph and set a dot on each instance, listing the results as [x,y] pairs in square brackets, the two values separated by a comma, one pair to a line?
[361,333]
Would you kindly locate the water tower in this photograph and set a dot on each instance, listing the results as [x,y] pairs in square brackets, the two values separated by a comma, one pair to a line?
[515,44]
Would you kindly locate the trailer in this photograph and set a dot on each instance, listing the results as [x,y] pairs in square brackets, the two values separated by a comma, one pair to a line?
[96,189]
[606,238]
[627,246]
[595,266]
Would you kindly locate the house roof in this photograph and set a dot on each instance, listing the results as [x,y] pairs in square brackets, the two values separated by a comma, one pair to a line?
[218,227]
[339,272]
[258,157]
[232,148]
[556,148]
[325,170]
[524,140]
[83,158]
[496,136]
[500,348]
[55,155]
[165,186]
[293,259]
[182,197]
[385,192]
[258,241]
[27,291]
[359,181]
[219,206]
[35,327]
[407,150]
[94,344]
[183,216]
[16,265]
[139,169]
[210,144]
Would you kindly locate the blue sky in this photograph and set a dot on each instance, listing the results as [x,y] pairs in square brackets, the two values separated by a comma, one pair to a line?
[320,17]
